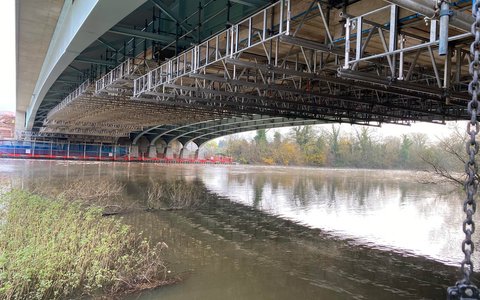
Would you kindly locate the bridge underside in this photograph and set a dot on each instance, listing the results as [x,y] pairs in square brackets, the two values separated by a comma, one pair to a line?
[283,64]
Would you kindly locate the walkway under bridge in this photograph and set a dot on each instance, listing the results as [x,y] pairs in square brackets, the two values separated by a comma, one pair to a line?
[157,80]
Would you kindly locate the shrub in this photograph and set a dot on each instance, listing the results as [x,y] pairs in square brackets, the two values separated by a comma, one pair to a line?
[174,195]
[51,249]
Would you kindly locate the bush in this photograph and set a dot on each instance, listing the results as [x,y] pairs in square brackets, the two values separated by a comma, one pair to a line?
[175,195]
[51,249]
[98,192]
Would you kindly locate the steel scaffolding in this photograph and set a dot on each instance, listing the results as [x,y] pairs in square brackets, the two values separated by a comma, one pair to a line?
[376,63]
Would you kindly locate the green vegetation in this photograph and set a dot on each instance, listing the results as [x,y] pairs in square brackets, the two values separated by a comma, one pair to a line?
[363,148]
[99,192]
[52,249]
[174,195]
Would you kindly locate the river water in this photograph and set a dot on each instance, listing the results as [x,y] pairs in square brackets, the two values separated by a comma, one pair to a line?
[286,233]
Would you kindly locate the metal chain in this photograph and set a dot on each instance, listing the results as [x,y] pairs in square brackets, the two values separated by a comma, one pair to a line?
[464,289]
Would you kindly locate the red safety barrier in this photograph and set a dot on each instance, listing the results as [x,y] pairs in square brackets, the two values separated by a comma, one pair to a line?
[126,158]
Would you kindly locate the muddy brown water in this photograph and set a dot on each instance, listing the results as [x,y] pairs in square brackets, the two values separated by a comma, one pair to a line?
[286,233]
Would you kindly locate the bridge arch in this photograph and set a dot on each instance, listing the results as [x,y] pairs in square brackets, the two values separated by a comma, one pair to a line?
[204,138]
[173,149]
[145,132]
[224,123]
[157,148]
[142,148]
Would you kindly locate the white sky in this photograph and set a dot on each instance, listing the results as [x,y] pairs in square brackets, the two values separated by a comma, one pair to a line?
[8,78]
[7,54]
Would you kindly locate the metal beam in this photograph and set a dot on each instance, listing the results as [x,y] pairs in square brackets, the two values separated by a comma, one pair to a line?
[166,129]
[68,81]
[295,41]
[161,38]
[104,42]
[397,88]
[249,3]
[459,20]
[234,124]
[169,14]
[89,60]
[75,69]
[287,89]
[295,110]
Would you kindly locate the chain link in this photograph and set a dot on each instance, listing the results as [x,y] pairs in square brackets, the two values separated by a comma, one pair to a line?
[472,146]
[464,288]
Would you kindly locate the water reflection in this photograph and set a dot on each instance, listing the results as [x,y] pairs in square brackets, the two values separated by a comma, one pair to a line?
[240,249]
[379,208]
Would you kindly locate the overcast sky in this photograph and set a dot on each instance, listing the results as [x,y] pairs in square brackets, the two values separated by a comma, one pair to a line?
[434,131]
[7,78]
[7,53]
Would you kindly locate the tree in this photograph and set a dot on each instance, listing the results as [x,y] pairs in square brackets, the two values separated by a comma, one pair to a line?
[418,150]
[239,149]
[318,154]
[449,155]
[358,149]
[210,149]
[405,150]
[261,137]
[277,139]
[333,141]
[363,148]
[389,153]
[303,135]
[287,154]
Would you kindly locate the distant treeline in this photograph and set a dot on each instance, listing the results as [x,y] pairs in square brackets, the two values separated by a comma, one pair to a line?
[361,148]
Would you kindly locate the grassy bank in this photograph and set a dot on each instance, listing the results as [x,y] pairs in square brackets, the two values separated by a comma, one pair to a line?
[51,249]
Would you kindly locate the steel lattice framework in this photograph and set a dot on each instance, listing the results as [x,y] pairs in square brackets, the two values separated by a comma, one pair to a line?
[303,62]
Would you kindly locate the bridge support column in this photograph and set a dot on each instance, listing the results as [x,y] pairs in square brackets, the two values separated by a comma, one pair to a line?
[181,153]
[168,152]
[152,151]
[134,151]
[197,152]
[19,123]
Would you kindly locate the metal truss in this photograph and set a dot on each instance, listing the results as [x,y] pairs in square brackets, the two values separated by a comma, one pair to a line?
[289,60]
[34,135]
[255,31]
[105,108]
[403,48]
[264,64]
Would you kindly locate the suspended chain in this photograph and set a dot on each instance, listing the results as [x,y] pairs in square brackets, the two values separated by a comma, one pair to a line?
[464,288]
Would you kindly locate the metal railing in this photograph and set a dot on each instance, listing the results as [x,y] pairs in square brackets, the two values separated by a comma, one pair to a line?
[358,35]
[82,88]
[122,71]
[259,28]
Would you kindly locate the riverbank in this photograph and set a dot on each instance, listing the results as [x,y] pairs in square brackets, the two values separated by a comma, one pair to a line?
[57,249]
[281,233]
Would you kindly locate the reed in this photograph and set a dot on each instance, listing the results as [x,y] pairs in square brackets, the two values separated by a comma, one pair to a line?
[174,195]
[99,192]
[86,190]
[56,249]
